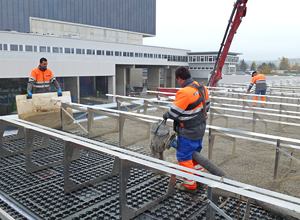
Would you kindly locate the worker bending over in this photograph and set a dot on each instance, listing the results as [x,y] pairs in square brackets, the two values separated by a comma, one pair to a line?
[261,87]
[40,79]
[189,112]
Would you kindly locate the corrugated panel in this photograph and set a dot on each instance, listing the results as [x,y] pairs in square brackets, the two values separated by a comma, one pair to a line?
[26,16]
[131,15]
[10,16]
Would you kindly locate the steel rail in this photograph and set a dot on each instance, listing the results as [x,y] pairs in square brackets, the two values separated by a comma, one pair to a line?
[244,191]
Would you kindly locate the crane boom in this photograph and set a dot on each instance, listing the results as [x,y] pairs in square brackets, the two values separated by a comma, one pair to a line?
[239,11]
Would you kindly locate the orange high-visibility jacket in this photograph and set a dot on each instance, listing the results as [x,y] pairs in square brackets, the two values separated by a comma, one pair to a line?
[40,80]
[182,115]
[260,81]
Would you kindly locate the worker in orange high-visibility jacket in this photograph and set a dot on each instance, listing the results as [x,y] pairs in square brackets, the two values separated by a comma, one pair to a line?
[261,87]
[189,112]
[40,79]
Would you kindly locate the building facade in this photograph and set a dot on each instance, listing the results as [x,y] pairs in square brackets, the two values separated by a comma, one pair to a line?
[201,64]
[92,47]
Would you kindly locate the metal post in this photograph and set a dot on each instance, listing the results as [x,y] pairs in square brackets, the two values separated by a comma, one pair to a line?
[277,157]
[210,212]
[254,122]
[280,111]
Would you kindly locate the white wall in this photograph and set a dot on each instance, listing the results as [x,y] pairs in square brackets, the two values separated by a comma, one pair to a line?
[60,28]
[22,68]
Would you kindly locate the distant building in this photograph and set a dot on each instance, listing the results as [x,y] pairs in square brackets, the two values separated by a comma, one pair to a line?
[202,63]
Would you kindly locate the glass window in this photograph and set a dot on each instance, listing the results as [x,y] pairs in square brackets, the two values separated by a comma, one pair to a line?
[35,48]
[210,59]
[124,54]
[108,53]
[4,46]
[99,52]
[42,48]
[67,50]
[136,54]
[20,47]
[13,47]
[90,52]
[145,55]
[48,50]
[151,55]
[140,54]
[159,56]
[117,53]
[131,54]
[0,46]
[206,58]
[78,51]
[202,58]
[55,50]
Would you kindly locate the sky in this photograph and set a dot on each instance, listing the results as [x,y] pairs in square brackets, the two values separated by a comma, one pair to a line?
[270,29]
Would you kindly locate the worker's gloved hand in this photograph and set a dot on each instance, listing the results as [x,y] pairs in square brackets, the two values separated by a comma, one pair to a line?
[29,94]
[59,92]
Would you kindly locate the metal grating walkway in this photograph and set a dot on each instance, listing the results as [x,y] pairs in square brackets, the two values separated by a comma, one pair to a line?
[41,194]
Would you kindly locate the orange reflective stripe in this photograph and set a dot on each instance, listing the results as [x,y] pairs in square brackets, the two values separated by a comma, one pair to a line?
[185,96]
[41,76]
[258,77]
[190,184]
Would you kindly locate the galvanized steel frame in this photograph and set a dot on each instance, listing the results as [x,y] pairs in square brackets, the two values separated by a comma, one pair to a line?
[145,161]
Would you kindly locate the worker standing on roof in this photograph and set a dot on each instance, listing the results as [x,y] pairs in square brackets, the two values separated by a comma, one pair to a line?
[189,112]
[261,87]
[40,79]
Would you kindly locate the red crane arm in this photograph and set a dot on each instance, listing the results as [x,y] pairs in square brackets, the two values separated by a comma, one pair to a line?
[238,11]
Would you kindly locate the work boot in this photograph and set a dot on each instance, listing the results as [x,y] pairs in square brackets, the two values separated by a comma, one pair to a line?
[182,187]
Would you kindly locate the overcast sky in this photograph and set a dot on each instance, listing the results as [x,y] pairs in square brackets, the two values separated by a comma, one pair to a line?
[271,28]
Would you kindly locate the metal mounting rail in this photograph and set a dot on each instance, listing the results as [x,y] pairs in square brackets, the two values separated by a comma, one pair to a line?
[242,94]
[130,159]
[233,138]
[270,87]
[213,111]
[256,101]
[240,100]
[250,108]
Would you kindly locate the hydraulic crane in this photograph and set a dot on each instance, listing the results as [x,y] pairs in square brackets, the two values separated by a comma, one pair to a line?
[238,12]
